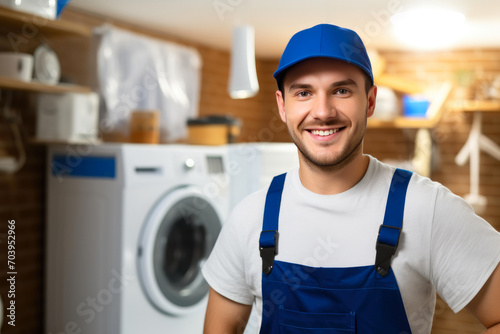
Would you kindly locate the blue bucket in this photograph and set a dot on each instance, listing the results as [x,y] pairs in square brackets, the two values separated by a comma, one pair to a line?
[415,106]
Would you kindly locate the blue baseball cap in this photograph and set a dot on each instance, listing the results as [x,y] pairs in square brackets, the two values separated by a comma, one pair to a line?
[327,41]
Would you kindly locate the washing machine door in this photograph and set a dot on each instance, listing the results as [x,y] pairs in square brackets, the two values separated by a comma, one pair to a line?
[177,237]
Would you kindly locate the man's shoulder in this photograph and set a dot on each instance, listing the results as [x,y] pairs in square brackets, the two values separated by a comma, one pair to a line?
[249,208]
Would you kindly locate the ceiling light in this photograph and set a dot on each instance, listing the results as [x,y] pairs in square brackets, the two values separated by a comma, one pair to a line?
[243,75]
[428,28]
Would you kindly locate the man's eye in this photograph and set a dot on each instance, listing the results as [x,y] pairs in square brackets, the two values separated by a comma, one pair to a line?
[303,94]
[341,91]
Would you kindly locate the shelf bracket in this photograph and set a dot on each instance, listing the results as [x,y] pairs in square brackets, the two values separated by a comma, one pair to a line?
[471,151]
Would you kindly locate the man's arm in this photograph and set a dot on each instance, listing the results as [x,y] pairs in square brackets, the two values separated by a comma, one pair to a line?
[225,316]
[486,304]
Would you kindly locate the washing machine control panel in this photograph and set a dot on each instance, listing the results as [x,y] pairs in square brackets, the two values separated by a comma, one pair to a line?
[215,164]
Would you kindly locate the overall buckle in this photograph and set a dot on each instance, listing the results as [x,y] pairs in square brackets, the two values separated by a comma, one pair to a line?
[268,246]
[386,250]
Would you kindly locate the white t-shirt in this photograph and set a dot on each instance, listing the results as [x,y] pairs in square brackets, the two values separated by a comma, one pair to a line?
[444,246]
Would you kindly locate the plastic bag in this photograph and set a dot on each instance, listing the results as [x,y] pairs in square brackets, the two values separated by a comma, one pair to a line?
[138,72]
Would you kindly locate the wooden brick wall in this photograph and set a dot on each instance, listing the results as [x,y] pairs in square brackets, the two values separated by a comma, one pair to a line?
[22,195]
[21,200]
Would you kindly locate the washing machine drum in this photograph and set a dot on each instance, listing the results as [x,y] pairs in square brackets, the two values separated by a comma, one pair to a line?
[177,237]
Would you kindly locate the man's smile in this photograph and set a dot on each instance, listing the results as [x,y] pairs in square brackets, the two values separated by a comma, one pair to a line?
[325,134]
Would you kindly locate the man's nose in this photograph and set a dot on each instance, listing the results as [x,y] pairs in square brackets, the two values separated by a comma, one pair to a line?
[324,108]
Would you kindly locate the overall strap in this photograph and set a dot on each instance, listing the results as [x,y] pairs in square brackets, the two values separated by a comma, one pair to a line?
[390,230]
[268,241]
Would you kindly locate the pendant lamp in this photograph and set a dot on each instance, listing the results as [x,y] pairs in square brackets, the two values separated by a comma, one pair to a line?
[243,75]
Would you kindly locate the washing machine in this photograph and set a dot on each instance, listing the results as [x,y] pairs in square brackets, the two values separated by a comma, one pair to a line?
[128,228]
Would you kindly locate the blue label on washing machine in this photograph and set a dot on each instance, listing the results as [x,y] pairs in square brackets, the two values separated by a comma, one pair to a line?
[91,166]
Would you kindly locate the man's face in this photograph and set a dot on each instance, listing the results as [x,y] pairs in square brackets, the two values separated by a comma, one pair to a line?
[325,107]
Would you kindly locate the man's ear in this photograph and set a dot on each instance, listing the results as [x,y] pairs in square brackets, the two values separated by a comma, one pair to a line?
[281,105]
[372,99]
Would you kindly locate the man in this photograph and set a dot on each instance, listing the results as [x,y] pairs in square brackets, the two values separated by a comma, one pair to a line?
[346,243]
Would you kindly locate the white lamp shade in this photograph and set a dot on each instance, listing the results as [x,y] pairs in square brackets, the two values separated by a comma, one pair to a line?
[243,75]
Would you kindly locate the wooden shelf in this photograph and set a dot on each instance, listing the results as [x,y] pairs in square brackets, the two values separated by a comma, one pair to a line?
[454,106]
[37,141]
[29,26]
[17,22]
[33,86]
[475,105]
[433,115]
[403,123]
[398,84]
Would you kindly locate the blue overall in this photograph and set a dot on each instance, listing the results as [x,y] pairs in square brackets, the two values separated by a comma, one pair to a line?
[310,300]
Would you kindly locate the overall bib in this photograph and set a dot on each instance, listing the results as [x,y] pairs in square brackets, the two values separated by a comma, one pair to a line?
[310,300]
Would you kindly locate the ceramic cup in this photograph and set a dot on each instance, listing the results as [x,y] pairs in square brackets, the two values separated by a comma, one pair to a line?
[16,65]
